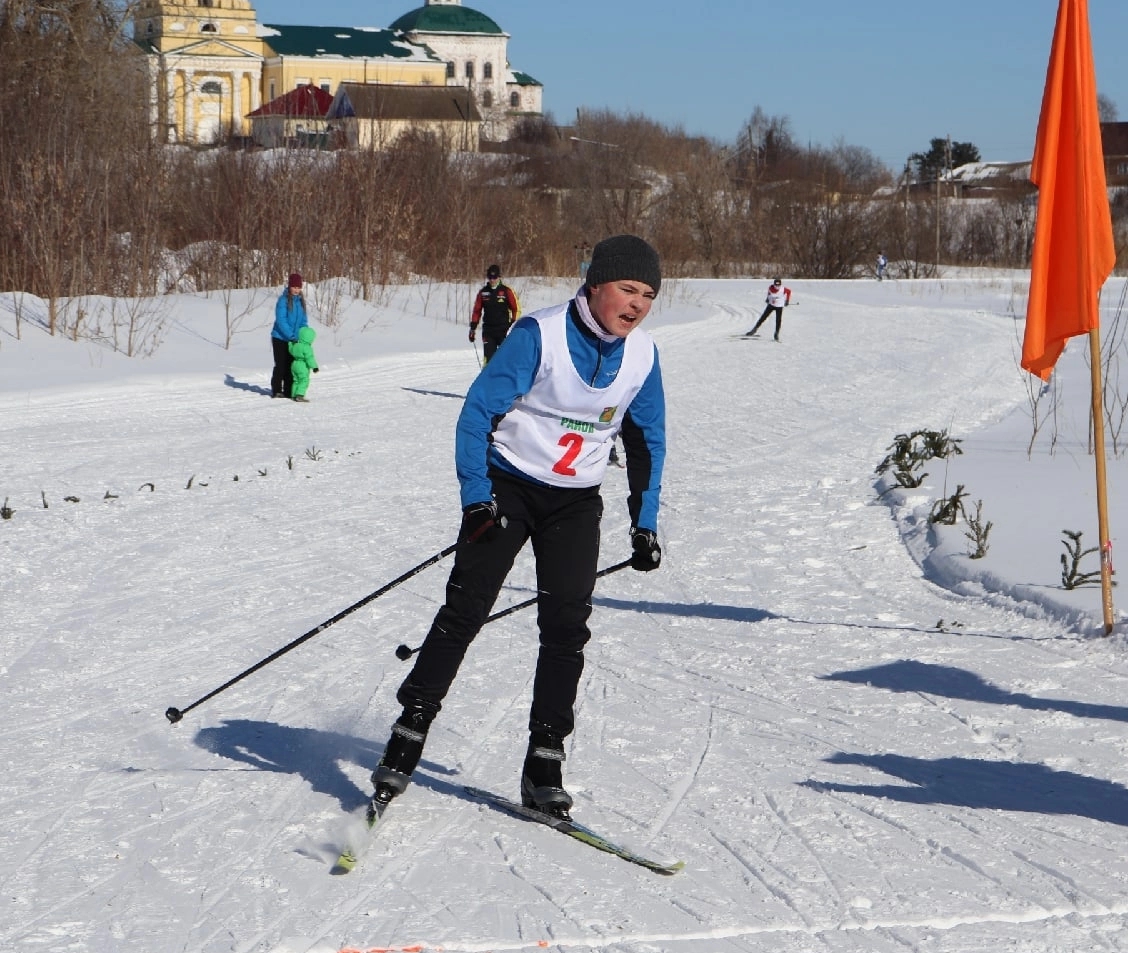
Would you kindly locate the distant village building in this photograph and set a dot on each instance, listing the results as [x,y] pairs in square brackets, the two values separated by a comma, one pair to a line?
[214,69]
[297,116]
[1012,179]
[1114,144]
[367,116]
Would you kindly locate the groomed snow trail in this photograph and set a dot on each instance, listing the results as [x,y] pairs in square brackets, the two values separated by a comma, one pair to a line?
[847,757]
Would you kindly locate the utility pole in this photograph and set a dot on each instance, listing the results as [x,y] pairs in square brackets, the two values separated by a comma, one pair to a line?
[946,168]
[939,174]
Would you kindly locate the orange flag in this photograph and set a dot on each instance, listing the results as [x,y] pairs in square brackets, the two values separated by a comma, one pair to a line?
[1073,245]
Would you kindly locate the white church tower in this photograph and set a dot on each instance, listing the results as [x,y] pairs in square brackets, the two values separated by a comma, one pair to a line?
[475,49]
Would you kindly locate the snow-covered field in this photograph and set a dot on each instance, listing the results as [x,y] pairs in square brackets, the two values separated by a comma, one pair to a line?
[857,738]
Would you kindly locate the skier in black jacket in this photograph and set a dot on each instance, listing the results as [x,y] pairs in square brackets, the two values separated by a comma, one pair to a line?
[496,308]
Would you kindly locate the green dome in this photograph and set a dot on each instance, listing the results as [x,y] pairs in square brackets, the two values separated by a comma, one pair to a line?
[446,18]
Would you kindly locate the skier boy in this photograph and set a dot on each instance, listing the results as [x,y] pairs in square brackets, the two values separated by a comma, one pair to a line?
[301,351]
[496,305]
[531,449]
[778,298]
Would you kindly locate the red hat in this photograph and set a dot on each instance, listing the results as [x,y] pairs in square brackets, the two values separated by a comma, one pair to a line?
[295,280]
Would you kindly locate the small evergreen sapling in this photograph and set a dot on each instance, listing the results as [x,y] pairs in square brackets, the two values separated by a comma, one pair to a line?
[1071,575]
[948,511]
[978,531]
[908,452]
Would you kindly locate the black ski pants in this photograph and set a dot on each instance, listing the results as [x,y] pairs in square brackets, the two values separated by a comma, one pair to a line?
[282,377]
[563,525]
[764,317]
[491,340]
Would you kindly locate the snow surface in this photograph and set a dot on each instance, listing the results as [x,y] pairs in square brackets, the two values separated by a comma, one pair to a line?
[856,737]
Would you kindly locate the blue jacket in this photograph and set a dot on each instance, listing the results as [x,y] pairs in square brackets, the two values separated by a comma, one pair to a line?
[289,317]
[509,375]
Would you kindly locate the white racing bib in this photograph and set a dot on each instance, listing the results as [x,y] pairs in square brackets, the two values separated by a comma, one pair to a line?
[561,431]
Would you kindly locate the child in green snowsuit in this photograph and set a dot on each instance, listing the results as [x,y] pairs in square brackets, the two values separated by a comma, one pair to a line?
[301,351]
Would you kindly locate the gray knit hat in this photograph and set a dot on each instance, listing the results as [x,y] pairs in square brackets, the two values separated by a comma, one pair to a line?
[624,257]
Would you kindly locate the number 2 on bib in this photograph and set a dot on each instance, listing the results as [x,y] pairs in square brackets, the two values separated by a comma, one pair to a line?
[572,443]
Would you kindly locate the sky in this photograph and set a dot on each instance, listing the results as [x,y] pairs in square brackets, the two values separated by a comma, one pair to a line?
[856,737]
[888,77]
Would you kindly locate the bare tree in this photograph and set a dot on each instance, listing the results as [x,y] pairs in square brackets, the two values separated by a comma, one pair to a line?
[701,218]
[62,204]
[237,308]
[765,146]
[1107,110]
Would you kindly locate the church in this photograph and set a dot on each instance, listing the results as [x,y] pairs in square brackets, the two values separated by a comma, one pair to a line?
[212,64]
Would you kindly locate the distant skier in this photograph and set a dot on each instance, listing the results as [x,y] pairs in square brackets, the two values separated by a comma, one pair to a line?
[882,261]
[778,298]
[497,308]
[301,351]
[615,460]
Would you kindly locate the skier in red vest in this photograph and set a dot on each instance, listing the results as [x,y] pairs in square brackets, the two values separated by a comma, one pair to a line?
[778,298]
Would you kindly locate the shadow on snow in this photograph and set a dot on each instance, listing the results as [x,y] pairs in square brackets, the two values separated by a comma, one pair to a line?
[697,610]
[310,753]
[435,393]
[973,783]
[990,785]
[229,381]
[944,680]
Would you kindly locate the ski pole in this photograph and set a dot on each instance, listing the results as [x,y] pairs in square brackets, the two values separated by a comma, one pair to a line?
[404,652]
[175,714]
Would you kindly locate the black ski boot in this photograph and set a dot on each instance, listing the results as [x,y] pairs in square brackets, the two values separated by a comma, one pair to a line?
[542,785]
[402,754]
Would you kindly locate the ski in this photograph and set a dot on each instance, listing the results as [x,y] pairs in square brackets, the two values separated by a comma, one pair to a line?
[575,830]
[351,853]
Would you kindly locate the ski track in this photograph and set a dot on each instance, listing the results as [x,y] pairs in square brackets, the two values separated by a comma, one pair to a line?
[707,718]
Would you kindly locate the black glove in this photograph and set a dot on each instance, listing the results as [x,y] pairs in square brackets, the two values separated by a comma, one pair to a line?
[473,331]
[480,522]
[647,553]
[316,369]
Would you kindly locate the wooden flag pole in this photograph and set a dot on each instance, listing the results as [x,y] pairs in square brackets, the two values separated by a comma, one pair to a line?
[1102,488]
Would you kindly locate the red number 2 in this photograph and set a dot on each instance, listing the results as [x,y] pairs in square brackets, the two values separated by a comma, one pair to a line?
[574,443]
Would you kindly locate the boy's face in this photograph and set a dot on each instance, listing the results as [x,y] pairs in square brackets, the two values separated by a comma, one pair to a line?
[620,306]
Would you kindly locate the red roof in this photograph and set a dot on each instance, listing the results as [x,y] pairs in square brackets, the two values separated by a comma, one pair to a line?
[305,102]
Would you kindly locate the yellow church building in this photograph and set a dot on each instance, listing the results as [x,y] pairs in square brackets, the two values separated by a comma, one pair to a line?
[212,63]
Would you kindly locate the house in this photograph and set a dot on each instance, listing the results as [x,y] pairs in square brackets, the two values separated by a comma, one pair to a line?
[1114,145]
[374,116]
[993,179]
[297,116]
[977,180]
